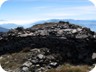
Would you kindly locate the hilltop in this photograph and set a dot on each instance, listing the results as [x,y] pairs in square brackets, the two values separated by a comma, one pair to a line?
[49,45]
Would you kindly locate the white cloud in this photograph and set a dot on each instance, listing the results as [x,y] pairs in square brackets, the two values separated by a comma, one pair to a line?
[79,10]
[93,1]
[17,21]
[53,11]
[59,14]
[20,22]
[1,2]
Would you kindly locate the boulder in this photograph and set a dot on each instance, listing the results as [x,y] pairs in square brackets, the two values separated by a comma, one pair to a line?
[40,56]
[27,64]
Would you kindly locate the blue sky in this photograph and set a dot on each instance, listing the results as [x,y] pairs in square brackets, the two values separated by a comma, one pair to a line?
[27,11]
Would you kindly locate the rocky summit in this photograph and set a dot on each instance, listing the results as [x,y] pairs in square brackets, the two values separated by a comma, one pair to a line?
[50,45]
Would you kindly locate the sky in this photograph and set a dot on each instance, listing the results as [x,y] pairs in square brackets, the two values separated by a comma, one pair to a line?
[28,11]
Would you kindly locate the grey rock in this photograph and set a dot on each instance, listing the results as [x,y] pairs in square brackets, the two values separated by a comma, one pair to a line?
[94,36]
[60,32]
[42,69]
[27,63]
[25,69]
[40,56]
[94,56]
[81,36]
[79,29]
[35,61]
[74,31]
[50,57]
[53,64]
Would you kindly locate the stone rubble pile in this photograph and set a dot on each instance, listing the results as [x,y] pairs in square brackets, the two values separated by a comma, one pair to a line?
[39,60]
[73,43]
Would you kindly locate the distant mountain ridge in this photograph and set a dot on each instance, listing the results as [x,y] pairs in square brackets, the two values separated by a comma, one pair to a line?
[3,29]
[9,25]
[85,23]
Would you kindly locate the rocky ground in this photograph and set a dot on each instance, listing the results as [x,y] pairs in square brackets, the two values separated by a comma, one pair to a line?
[38,60]
[46,46]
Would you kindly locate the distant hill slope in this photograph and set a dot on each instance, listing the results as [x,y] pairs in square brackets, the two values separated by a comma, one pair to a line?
[3,29]
[9,26]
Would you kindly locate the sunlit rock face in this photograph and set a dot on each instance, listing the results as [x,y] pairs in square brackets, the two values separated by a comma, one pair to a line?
[72,43]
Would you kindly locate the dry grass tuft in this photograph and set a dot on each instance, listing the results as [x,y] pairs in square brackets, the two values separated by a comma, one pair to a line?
[71,68]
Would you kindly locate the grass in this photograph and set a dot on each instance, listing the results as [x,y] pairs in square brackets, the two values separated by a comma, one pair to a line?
[71,68]
[14,60]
